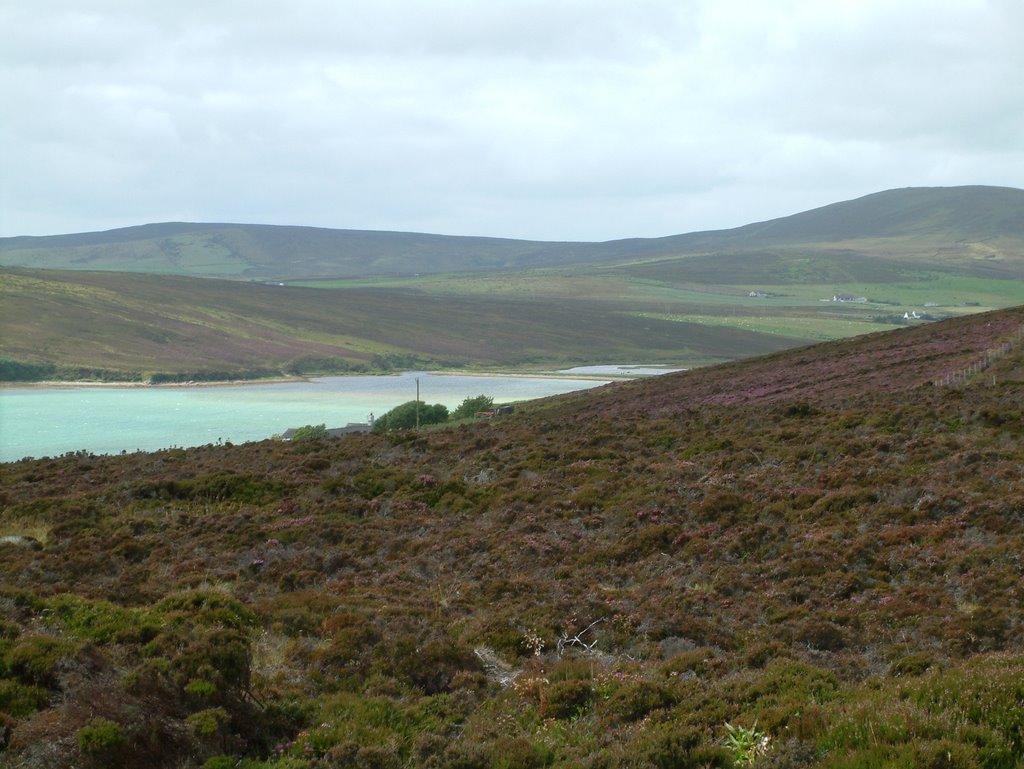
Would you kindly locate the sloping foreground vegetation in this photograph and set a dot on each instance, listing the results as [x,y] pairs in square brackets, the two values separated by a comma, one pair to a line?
[808,560]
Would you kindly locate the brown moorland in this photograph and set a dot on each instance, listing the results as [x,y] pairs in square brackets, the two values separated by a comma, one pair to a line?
[811,559]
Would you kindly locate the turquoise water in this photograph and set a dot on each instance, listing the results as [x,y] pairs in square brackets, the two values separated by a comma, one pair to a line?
[50,421]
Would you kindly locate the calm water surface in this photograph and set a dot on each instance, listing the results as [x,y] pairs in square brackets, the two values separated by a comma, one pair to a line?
[50,421]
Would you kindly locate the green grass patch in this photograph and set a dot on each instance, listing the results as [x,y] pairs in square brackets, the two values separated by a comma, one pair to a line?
[796,327]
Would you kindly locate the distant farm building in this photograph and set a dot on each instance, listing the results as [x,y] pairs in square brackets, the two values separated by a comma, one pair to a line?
[333,432]
[497,411]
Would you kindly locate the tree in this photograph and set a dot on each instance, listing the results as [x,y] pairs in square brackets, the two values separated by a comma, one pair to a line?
[472,405]
[310,432]
[404,417]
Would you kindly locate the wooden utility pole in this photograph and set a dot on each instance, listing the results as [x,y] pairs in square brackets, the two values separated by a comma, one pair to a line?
[417,403]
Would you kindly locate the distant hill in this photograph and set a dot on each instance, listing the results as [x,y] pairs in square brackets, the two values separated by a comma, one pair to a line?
[973,213]
[125,326]
[972,228]
[257,251]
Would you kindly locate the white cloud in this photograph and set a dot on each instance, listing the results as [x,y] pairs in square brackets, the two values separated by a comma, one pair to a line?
[567,119]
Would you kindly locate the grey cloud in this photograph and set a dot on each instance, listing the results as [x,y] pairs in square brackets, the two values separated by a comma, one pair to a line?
[574,119]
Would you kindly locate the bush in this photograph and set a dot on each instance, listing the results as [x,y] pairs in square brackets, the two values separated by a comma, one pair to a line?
[969,716]
[471,406]
[697,661]
[18,700]
[635,699]
[101,738]
[671,747]
[207,723]
[519,753]
[565,699]
[34,660]
[209,608]
[200,689]
[221,657]
[409,414]
[912,665]
[101,621]
[310,432]
[821,635]
[429,666]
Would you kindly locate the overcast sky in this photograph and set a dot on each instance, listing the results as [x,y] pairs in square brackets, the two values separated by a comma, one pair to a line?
[544,119]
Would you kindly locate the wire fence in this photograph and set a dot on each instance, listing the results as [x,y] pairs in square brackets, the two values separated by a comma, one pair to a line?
[962,376]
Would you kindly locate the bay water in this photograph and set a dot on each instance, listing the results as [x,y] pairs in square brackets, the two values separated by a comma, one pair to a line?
[51,421]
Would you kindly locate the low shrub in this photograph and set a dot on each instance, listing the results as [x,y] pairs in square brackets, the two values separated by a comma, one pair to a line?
[967,716]
[101,739]
[428,666]
[567,699]
[207,723]
[669,746]
[632,700]
[509,752]
[697,661]
[102,621]
[822,635]
[19,700]
[912,665]
[35,659]
[208,607]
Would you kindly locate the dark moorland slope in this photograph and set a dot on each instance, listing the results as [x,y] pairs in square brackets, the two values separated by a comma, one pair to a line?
[125,326]
[971,228]
[811,559]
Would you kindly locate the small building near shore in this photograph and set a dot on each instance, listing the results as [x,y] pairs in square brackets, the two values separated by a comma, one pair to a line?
[849,298]
[333,432]
[497,411]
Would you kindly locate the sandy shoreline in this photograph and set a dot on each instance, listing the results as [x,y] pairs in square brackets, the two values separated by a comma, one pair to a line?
[145,385]
[56,384]
[290,380]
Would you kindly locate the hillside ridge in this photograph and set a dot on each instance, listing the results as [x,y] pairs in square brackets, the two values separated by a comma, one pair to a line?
[936,216]
[869,366]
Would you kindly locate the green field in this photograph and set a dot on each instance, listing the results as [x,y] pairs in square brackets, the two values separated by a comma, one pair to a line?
[802,312]
[801,328]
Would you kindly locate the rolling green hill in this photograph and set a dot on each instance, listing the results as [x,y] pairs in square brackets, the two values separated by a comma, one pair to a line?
[977,229]
[266,252]
[808,560]
[973,213]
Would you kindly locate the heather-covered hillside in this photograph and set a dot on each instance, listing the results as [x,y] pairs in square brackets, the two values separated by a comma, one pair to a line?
[806,560]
